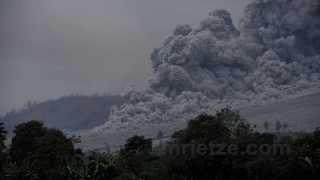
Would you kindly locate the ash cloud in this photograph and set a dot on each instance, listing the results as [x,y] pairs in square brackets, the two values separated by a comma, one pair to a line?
[274,54]
[278,44]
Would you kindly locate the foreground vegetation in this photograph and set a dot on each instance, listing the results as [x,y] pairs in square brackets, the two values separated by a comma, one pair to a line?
[40,153]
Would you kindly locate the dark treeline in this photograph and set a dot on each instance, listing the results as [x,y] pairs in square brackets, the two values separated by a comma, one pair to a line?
[40,153]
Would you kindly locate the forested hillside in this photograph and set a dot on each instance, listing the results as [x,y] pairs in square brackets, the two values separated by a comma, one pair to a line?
[70,112]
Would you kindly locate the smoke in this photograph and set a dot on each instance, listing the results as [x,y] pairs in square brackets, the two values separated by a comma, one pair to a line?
[269,22]
[279,40]
[274,54]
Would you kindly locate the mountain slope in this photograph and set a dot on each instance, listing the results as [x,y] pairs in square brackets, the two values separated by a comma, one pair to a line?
[68,113]
[301,114]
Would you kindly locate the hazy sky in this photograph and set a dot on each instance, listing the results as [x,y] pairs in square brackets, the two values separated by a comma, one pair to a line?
[50,48]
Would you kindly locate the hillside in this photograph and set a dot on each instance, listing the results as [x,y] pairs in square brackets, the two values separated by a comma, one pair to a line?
[68,113]
[301,114]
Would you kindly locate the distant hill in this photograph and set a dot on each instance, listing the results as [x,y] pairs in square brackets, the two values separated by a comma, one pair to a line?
[69,112]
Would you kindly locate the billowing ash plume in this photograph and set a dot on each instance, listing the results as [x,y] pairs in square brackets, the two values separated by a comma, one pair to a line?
[275,53]
[279,43]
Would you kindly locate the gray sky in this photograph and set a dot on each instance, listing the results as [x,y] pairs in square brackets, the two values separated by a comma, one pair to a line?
[51,48]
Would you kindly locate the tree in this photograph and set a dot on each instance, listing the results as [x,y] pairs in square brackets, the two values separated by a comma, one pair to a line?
[40,152]
[266,125]
[22,148]
[285,126]
[95,166]
[137,144]
[134,155]
[278,126]
[25,139]
[3,134]
[52,153]
[160,135]
[203,129]
[225,127]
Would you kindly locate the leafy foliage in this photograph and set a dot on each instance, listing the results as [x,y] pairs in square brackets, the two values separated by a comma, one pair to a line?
[3,133]
[37,152]
[2,147]
[133,156]
[25,139]
[40,153]
[94,166]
